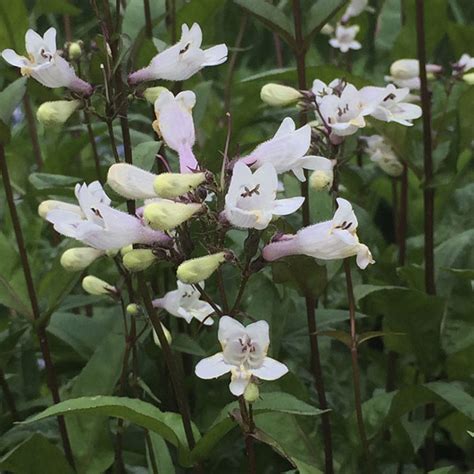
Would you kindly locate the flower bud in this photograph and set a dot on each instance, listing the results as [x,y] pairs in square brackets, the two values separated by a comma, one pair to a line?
[278,95]
[410,68]
[198,269]
[96,286]
[389,165]
[77,259]
[133,309]
[74,51]
[51,204]
[152,93]
[56,112]
[251,393]
[168,336]
[130,181]
[138,259]
[125,250]
[327,29]
[321,180]
[166,215]
[171,185]
[468,78]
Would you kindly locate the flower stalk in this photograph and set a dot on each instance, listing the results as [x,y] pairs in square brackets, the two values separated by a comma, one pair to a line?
[300,55]
[40,328]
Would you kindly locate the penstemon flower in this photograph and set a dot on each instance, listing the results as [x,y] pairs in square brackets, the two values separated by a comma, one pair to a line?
[355,8]
[185,303]
[286,151]
[406,73]
[344,38]
[381,153]
[182,60]
[99,225]
[45,64]
[244,355]
[174,123]
[465,63]
[251,200]
[329,240]
[392,108]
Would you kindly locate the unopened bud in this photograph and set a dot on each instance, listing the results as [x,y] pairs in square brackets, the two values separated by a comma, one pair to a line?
[389,164]
[198,269]
[468,78]
[166,215]
[51,204]
[278,95]
[168,336]
[133,309]
[78,259]
[96,286]
[251,393]
[138,259]
[321,180]
[75,51]
[125,250]
[327,29]
[171,185]
[56,112]
[130,181]
[410,68]
[152,93]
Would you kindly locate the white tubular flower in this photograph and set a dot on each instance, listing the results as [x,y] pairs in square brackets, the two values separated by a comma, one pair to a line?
[174,123]
[330,240]
[321,89]
[406,73]
[182,60]
[99,225]
[344,39]
[45,64]
[285,151]
[251,200]
[392,108]
[278,95]
[381,153]
[131,181]
[79,258]
[184,303]
[355,8]
[346,113]
[465,64]
[244,355]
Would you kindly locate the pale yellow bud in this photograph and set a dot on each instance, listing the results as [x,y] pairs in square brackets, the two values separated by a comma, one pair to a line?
[198,269]
[96,286]
[56,112]
[138,259]
[171,185]
[278,95]
[166,215]
[321,180]
[79,258]
[468,78]
[125,250]
[152,93]
[168,336]
[51,204]
[75,51]
[112,253]
[133,309]
[405,68]
[327,29]
[251,393]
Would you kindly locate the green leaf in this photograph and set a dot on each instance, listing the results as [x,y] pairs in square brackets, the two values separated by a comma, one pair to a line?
[278,402]
[388,25]
[271,16]
[367,336]
[8,342]
[34,452]
[184,343]
[341,336]
[56,6]
[13,25]
[321,13]
[161,453]
[51,182]
[9,99]
[168,425]
[455,396]
[144,154]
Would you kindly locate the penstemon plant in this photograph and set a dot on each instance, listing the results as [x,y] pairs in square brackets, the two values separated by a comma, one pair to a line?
[197,239]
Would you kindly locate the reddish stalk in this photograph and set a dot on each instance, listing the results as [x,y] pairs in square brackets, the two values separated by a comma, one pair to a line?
[40,328]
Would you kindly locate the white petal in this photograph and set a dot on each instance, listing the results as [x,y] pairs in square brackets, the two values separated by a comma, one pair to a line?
[270,370]
[316,163]
[187,98]
[364,257]
[299,173]
[13,58]
[33,41]
[287,126]
[50,39]
[229,328]
[283,207]
[215,55]
[259,332]
[238,384]
[345,214]
[212,367]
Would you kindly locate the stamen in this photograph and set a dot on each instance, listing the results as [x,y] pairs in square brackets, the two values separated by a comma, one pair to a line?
[249,192]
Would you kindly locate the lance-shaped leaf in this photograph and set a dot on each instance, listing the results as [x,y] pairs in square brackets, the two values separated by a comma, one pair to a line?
[9,99]
[272,17]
